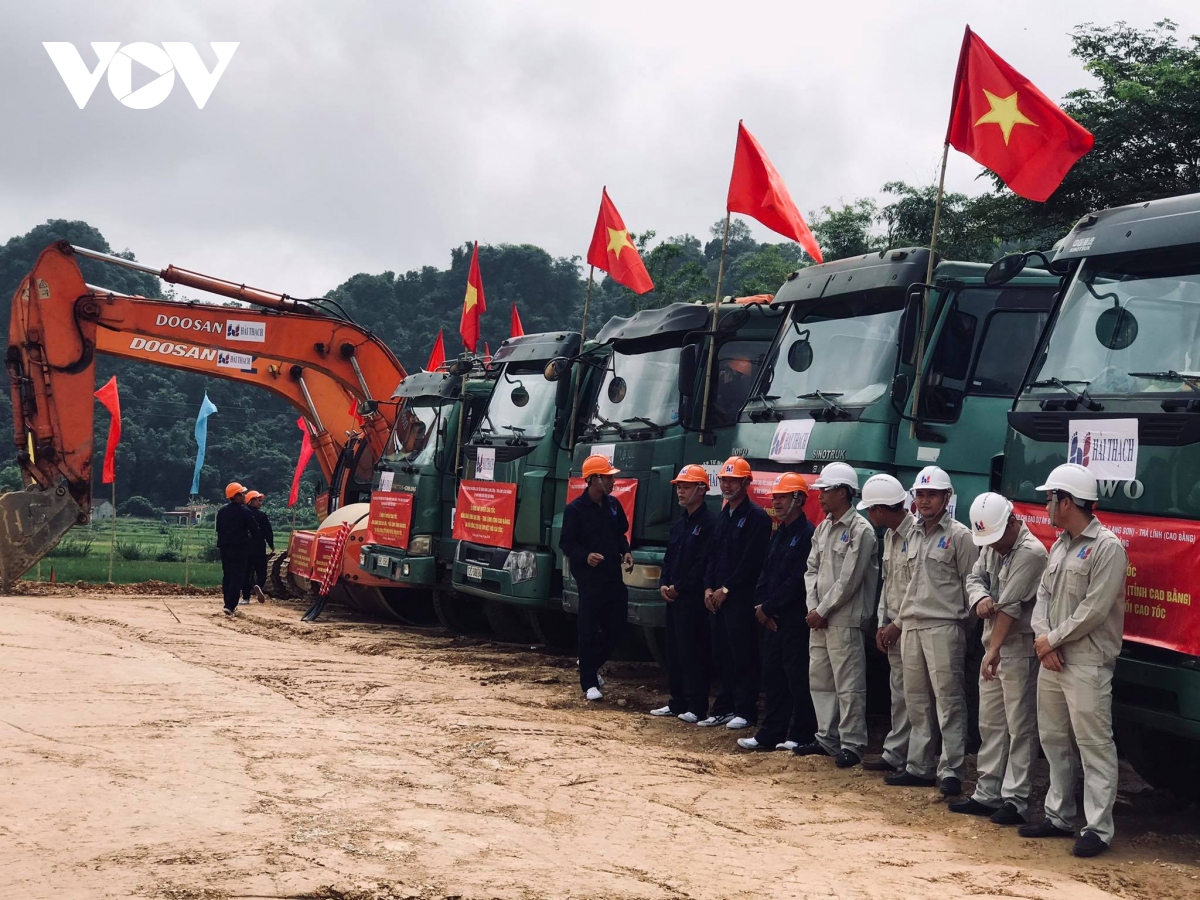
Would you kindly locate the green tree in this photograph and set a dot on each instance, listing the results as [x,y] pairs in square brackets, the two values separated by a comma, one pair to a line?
[848,230]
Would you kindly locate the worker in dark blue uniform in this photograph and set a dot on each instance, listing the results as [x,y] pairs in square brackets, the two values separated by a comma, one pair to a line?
[790,720]
[236,530]
[256,569]
[740,540]
[689,641]
[595,544]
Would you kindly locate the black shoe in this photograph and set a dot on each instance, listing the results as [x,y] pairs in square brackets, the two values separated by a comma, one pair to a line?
[950,786]
[907,779]
[971,807]
[1006,815]
[846,758]
[813,749]
[1044,828]
[879,765]
[1089,844]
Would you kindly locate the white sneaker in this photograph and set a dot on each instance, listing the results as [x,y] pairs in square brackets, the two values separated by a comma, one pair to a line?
[787,745]
[713,721]
[736,723]
[243,603]
[594,694]
[661,711]
[748,743]
[689,717]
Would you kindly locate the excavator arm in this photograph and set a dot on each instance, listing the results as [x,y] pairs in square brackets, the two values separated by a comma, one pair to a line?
[315,360]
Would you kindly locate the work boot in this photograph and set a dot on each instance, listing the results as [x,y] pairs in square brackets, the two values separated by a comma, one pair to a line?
[812,749]
[950,786]
[1007,815]
[1044,829]
[846,758]
[971,807]
[1089,844]
[908,779]
[879,765]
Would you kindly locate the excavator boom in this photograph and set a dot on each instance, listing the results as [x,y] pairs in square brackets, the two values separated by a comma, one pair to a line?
[319,362]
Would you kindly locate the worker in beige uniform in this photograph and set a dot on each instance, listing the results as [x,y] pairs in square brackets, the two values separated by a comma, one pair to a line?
[840,583]
[1001,588]
[1078,621]
[933,619]
[885,502]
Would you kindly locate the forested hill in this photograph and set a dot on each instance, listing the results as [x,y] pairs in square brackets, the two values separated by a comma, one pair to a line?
[1143,108]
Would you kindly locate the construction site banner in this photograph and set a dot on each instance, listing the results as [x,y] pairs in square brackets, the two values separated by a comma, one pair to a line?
[325,545]
[1162,590]
[486,513]
[390,519]
[760,493]
[300,553]
[624,490]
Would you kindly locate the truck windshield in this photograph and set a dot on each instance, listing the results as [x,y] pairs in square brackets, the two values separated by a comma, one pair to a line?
[1130,324]
[423,438]
[640,390]
[522,404]
[844,348]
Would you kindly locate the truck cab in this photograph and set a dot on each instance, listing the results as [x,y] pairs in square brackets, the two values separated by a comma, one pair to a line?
[1115,386]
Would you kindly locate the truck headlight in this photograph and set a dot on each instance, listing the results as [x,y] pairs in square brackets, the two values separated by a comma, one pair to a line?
[642,576]
[521,565]
[362,559]
[421,545]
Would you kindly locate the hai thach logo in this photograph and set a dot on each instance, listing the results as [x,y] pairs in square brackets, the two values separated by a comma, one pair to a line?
[161,61]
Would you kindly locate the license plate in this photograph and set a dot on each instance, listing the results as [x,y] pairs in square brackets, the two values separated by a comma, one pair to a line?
[475,573]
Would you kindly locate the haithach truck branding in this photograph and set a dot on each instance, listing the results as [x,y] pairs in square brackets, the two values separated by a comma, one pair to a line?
[233,329]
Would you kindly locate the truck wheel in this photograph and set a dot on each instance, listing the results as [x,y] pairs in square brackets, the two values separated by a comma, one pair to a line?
[459,614]
[554,629]
[1165,761]
[508,622]
[412,607]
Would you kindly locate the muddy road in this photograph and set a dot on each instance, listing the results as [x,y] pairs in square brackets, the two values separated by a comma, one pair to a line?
[150,747]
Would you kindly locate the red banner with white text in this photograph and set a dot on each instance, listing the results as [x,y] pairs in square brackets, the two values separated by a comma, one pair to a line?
[300,553]
[624,490]
[1162,590]
[760,493]
[390,519]
[486,513]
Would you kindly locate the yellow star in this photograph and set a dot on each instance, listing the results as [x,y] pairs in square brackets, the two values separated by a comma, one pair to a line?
[618,241]
[471,299]
[1004,113]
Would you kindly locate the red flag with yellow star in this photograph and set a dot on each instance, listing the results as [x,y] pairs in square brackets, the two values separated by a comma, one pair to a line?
[473,304]
[1000,120]
[613,252]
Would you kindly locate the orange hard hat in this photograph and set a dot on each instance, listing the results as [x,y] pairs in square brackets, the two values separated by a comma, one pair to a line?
[735,467]
[789,483]
[252,495]
[692,475]
[598,465]
[737,364]
[233,489]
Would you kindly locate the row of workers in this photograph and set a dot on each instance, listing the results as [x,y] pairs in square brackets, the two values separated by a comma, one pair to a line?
[1052,628]
[244,535]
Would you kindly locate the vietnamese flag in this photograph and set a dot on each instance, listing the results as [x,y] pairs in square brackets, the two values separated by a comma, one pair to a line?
[1000,120]
[473,304]
[756,189]
[108,396]
[437,357]
[613,252]
[517,329]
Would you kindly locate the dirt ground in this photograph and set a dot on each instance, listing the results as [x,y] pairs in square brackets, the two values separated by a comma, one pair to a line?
[150,747]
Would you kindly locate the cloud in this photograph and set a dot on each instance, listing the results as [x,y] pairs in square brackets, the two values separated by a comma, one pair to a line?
[365,137]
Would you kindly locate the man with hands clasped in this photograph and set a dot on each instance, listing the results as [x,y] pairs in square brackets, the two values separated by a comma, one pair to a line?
[1001,588]
[689,642]
[1078,621]
[840,582]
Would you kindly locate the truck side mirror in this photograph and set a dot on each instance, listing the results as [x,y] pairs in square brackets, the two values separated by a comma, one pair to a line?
[556,368]
[900,390]
[687,369]
[910,325]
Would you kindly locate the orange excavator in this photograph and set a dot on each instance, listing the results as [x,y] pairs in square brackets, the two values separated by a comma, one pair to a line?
[336,373]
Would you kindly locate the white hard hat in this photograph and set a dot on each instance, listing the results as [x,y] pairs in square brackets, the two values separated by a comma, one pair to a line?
[836,474]
[932,478]
[989,518]
[882,490]
[1072,478]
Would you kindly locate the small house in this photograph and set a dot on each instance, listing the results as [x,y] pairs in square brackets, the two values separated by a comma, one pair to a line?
[102,511]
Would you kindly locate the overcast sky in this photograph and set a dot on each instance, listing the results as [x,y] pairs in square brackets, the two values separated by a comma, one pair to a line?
[361,136]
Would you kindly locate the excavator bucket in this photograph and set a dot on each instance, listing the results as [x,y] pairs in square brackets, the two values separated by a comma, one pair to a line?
[32,522]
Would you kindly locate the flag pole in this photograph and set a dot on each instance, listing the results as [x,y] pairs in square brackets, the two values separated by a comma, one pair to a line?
[937,215]
[712,343]
[582,338]
[112,542]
